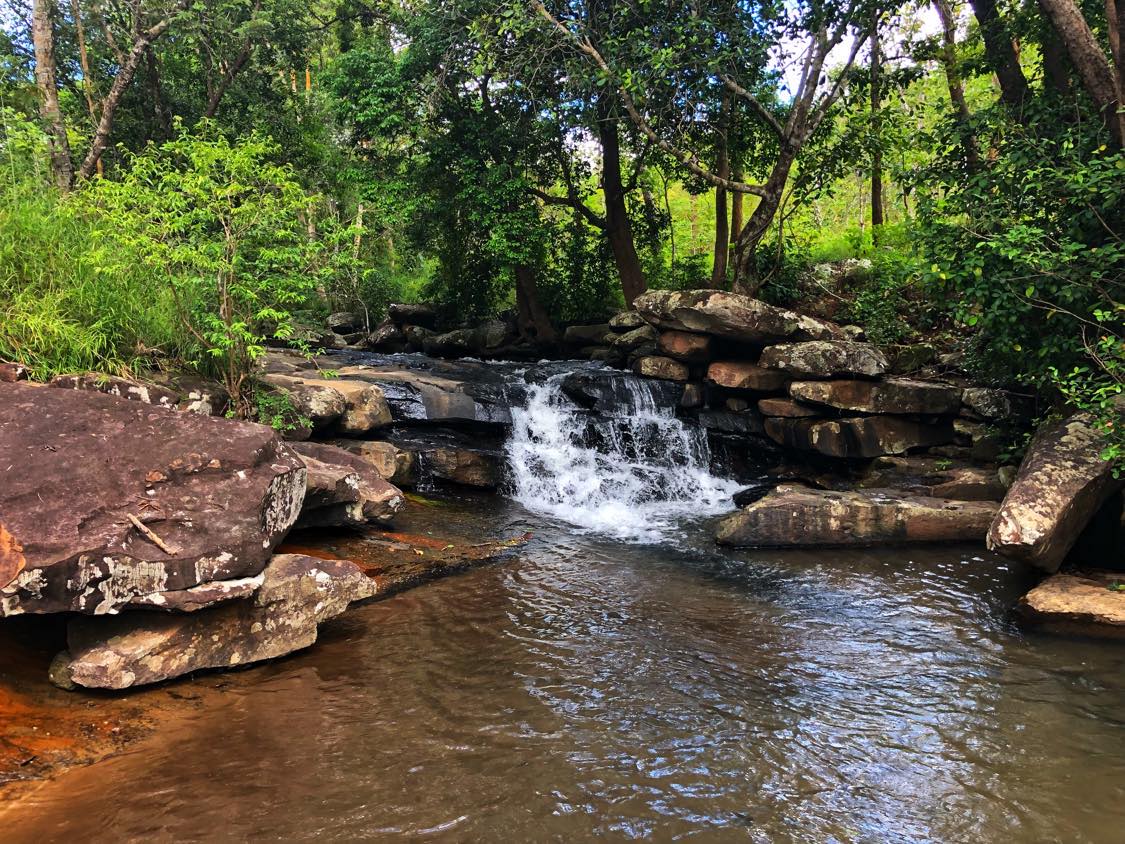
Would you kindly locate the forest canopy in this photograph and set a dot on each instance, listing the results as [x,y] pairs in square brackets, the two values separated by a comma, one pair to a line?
[186,179]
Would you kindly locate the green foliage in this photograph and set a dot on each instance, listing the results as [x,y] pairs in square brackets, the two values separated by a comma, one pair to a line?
[59,311]
[276,409]
[224,229]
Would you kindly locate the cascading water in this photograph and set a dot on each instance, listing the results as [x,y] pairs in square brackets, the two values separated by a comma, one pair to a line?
[631,473]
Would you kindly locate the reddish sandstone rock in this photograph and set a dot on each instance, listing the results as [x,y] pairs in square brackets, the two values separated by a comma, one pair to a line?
[683,345]
[796,516]
[344,488]
[787,408]
[898,395]
[738,375]
[10,372]
[1084,603]
[218,493]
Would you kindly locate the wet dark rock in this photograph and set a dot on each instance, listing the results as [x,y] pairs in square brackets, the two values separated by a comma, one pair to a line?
[825,359]
[589,335]
[1062,483]
[897,395]
[136,648]
[796,516]
[344,322]
[218,493]
[732,316]
[745,422]
[616,393]
[416,337]
[693,396]
[413,313]
[753,492]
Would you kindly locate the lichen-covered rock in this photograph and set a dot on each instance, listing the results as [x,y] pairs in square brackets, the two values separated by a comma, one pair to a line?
[626,321]
[352,488]
[740,375]
[655,366]
[732,316]
[896,395]
[825,359]
[634,338]
[123,388]
[1061,485]
[136,648]
[868,436]
[1083,603]
[796,516]
[992,405]
[76,465]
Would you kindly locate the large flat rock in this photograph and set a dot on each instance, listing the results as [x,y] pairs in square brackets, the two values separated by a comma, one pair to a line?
[1061,485]
[864,436]
[796,516]
[825,359]
[732,316]
[136,648]
[218,493]
[897,395]
[1084,603]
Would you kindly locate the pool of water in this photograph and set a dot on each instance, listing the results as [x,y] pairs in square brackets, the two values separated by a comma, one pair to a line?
[593,688]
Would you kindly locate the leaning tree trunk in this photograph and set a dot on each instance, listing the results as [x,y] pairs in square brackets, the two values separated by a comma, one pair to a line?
[1098,78]
[43,36]
[618,228]
[746,280]
[722,233]
[735,219]
[877,148]
[1001,54]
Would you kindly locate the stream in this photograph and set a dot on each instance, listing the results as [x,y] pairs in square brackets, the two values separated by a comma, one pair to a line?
[621,677]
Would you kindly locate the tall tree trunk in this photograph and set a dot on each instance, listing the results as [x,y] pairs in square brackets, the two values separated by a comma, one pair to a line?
[534,324]
[1115,25]
[1056,72]
[618,228]
[877,148]
[735,218]
[1001,54]
[1098,78]
[43,37]
[722,233]
[953,80]
[160,114]
[760,220]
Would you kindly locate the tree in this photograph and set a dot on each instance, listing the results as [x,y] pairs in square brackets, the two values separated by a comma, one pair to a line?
[42,33]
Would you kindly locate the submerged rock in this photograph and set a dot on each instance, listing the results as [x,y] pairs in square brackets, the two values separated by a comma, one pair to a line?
[82,469]
[796,516]
[1062,483]
[1087,603]
[825,359]
[297,593]
[732,316]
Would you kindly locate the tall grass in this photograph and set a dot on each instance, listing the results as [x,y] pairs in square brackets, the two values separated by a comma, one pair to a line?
[59,310]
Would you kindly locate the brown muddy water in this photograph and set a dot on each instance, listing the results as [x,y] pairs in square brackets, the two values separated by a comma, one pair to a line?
[590,688]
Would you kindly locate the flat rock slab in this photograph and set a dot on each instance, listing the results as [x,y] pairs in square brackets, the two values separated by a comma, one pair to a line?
[219,495]
[138,648]
[825,359]
[740,375]
[1084,603]
[667,369]
[799,517]
[865,436]
[1061,485]
[897,395]
[732,316]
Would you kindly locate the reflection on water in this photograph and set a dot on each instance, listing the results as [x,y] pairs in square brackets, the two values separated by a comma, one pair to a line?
[592,688]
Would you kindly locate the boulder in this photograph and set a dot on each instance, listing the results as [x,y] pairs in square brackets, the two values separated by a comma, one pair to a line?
[81,470]
[413,313]
[796,516]
[365,406]
[992,405]
[825,359]
[494,335]
[377,500]
[635,338]
[1083,603]
[934,477]
[386,338]
[911,357]
[869,436]
[589,335]
[654,366]
[617,393]
[124,388]
[321,405]
[896,395]
[344,322]
[460,343]
[464,466]
[1061,485]
[739,375]
[397,465]
[136,648]
[730,315]
[627,321]
[10,372]
[416,337]
[787,408]
[683,345]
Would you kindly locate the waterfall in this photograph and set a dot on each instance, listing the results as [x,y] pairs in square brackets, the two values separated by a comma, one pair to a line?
[633,471]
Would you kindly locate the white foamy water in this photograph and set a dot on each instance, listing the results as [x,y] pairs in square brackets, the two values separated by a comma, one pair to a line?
[632,477]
